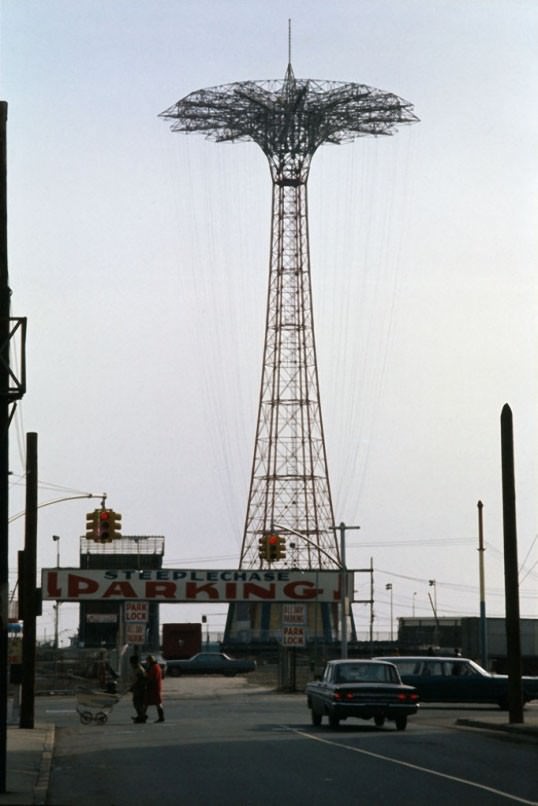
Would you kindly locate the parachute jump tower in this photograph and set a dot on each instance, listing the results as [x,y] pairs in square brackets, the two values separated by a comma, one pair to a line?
[289,490]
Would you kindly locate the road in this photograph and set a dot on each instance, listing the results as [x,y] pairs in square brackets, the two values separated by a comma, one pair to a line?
[227,743]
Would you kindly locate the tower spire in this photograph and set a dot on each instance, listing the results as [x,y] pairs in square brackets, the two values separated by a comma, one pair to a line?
[289,71]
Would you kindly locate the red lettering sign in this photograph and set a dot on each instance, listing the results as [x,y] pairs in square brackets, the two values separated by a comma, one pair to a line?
[124,589]
[77,585]
[157,590]
[301,590]
[192,590]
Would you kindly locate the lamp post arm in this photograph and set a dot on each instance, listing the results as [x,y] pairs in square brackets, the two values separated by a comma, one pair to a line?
[278,527]
[58,501]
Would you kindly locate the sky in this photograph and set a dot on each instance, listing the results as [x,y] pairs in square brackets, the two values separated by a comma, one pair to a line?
[140,258]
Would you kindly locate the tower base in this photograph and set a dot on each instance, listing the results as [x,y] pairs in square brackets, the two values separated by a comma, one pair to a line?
[286,624]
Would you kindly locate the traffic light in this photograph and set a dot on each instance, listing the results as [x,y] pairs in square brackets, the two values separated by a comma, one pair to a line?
[262,548]
[92,525]
[115,524]
[105,523]
[273,547]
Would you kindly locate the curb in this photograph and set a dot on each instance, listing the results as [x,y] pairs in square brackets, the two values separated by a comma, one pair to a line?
[517,730]
[42,782]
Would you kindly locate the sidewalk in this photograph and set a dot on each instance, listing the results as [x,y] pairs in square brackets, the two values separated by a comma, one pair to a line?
[29,758]
[523,731]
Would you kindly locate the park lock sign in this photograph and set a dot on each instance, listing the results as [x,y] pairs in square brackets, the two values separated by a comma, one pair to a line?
[180,585]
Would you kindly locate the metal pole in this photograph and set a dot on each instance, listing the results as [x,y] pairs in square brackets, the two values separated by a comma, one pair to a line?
[433,583]
[343,592]
[388,587]
[483,620]
[371,600]
[56,539]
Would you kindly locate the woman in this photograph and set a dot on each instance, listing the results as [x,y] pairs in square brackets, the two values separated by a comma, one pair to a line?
[154,686]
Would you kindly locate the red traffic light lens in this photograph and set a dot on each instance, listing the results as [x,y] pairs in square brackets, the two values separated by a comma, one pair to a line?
[272,540]
[104,516]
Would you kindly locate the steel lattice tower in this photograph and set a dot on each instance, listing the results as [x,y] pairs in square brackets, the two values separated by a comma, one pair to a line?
[289,119]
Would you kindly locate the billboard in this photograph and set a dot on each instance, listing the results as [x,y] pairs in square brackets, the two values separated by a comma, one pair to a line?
[186,585]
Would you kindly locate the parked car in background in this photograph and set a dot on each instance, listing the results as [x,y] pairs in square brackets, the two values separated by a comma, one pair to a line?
[446,679]
[366,689]
[210,663]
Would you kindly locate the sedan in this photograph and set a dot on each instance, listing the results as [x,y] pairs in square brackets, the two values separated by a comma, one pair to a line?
[445,679]
[210,663]
[365,689]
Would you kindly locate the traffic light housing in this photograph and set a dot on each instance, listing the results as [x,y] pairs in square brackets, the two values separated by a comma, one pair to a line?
[262,548]
[92,525]
[115,524]
[105,526]
[273,545]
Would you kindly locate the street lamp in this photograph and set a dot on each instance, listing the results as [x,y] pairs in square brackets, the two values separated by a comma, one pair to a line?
[413,607]
[433,584]
[56,539]
[388,587]
[342,527]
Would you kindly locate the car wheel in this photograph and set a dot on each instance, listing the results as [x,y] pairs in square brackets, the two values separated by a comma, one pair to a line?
[401,722]
[334,722]
[316,718]
[379,721]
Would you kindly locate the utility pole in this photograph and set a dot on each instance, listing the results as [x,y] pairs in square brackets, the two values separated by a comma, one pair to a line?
[29,587]
[511,584]
[4,446]
[344,594]
[483,620]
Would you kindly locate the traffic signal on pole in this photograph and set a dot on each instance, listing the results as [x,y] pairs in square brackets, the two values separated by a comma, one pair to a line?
[115,524]
[262,548]
[92,525]
[105,522]
[273,547]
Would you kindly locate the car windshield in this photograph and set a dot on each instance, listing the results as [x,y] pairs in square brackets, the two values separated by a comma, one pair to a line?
[366,673]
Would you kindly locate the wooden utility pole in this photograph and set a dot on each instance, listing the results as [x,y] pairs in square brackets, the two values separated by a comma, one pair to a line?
[511,583]
[4,447]
[29,587]
[483,621]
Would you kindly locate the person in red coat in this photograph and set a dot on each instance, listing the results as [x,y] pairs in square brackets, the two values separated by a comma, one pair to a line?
[154,679]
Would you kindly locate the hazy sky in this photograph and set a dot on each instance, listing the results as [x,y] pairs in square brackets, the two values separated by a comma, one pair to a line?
[140,258]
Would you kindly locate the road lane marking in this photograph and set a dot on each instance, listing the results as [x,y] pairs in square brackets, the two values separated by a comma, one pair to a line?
[455,778]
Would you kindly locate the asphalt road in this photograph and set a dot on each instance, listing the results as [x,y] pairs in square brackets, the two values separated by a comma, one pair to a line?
[225,743]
